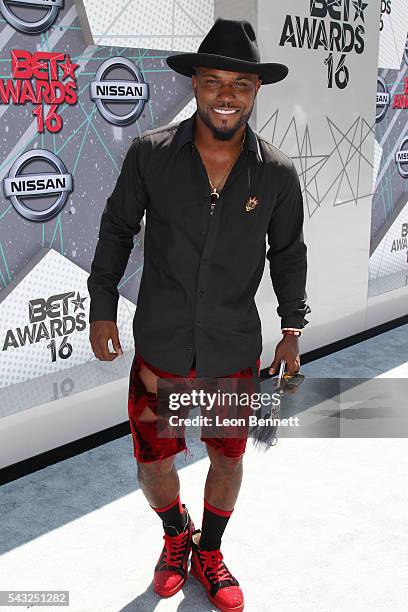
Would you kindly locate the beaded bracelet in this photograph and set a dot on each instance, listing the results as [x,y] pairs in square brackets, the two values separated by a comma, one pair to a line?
[291,332]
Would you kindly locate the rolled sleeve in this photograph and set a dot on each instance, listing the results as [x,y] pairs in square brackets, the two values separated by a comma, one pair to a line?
[120,222]
[287,253]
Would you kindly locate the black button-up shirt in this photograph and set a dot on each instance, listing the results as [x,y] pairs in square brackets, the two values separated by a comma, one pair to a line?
[201,271]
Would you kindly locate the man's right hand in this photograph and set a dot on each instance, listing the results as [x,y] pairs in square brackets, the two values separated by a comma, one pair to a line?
[100,334]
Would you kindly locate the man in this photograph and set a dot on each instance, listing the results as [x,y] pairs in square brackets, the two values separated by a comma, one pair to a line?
[213,191]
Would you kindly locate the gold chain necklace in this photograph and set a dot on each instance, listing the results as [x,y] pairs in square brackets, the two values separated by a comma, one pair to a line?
[214,193]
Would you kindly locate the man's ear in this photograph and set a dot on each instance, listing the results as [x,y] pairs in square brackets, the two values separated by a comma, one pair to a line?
[194,80]
[257,86]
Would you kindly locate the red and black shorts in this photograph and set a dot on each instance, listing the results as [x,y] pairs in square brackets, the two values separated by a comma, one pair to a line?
[147,445]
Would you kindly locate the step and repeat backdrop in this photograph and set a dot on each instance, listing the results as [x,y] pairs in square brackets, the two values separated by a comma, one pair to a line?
[323,116]
[389,221]
[79,80]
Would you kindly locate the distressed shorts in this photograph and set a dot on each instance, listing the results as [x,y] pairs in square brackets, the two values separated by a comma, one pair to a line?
[147,445]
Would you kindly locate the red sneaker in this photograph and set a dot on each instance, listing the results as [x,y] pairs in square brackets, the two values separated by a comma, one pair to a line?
[170,572]
[222,588]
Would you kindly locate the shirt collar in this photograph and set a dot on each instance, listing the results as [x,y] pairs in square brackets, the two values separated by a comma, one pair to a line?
[185,134]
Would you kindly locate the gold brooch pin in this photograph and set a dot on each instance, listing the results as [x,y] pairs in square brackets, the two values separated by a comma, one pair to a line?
[250,205]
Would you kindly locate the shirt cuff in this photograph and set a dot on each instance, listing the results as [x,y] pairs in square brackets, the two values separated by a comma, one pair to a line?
[103,308]
[292,322]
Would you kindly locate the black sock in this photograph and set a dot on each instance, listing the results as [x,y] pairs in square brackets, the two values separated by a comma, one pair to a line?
[173,518]
[214,523]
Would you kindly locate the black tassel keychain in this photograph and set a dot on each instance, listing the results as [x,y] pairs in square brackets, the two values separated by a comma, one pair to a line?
[264,436]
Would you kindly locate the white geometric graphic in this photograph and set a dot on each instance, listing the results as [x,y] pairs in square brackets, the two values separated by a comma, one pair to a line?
[44,319]
[168,25]
[334,177]
[393,35]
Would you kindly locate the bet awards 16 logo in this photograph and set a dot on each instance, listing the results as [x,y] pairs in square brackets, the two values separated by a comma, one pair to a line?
[50,320]
[344,33]
[400,244]
[39,78]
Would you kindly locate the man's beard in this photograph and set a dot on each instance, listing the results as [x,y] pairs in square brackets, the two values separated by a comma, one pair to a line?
[220,133]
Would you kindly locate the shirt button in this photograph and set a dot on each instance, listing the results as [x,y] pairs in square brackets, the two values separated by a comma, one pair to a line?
[198,323]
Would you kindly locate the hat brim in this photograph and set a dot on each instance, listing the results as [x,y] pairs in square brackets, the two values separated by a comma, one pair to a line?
[184,63]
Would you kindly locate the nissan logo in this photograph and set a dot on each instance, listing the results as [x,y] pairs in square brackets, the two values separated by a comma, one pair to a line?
[401,158]
[31,27]
[135,91]
[38,185]
[383,99]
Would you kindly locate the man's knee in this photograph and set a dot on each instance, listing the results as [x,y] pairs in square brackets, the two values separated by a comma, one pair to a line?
[154,469]
[222,463]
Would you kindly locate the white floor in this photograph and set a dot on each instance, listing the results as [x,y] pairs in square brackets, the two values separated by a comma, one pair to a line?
[320,524]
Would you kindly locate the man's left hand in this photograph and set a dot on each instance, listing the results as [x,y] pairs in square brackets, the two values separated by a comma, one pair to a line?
[287,350]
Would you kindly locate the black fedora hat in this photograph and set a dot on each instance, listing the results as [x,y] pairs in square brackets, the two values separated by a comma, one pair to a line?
[229,45]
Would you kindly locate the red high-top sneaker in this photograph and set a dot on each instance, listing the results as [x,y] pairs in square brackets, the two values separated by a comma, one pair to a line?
[170,572]
[222,588]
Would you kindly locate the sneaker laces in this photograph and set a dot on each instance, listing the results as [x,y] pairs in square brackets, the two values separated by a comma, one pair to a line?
[213,561]
[174,548]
